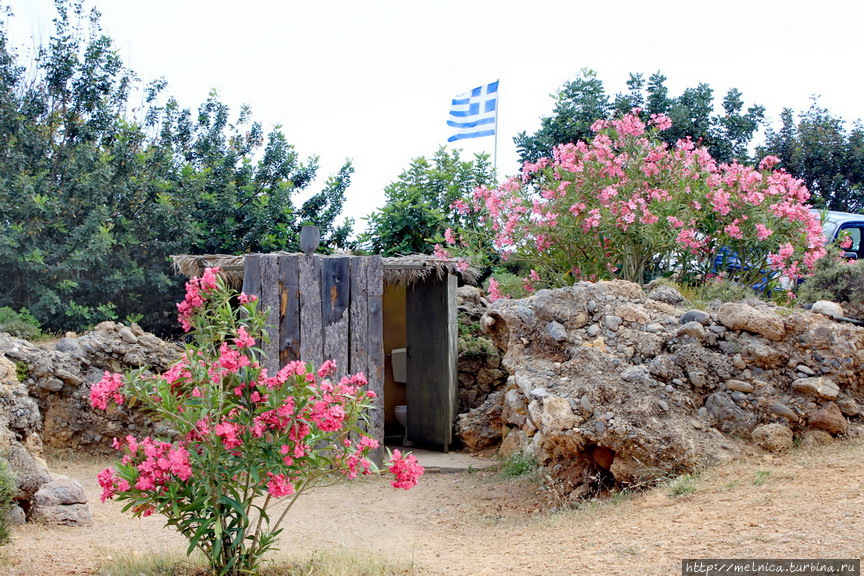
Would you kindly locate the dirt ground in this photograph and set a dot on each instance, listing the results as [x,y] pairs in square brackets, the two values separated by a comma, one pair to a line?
[808,503]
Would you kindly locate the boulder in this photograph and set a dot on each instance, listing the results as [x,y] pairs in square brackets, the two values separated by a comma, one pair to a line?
[773,437]
[61,501]
[818,386]
[830,419]
[741,316]
[30,474]
[828,308]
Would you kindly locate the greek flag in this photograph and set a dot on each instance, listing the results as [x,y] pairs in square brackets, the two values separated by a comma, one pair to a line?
[475,113]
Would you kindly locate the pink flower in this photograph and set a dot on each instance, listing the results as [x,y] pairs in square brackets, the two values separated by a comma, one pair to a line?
[105,390]
[768,162]
[763,232]
[279,485]
[228,432]
[449,237]
[326,369]
[405,469]
[246,298]
[243,339]
[231,360]
[107,480]
[495,291]
[660,121]
[440,253]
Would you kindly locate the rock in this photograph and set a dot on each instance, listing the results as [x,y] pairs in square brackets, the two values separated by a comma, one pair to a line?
[804,369]
[592,330]
[481,428]
[666,294]
[557,415]
[557,331]
[830,419]
[516,441]
[29,473]
[816,438]
[654,328]
[612,322]
[693,329]
[699,316]
[818,386]
[740,386]
[63,515]
[16,515]
[773,437]
[741,316]
[828,308]
[632,313]
[848,406]
[781,409]
[60,490]
[728,416]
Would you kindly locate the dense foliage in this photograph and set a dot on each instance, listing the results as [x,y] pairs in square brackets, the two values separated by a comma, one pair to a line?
[627,205]
[93,200]
[820,150]
[419,205]
[582,101]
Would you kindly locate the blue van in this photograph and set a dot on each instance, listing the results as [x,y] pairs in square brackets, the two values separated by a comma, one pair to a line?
[834,225]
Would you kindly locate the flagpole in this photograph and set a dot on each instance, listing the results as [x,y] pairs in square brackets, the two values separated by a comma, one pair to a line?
[495,150]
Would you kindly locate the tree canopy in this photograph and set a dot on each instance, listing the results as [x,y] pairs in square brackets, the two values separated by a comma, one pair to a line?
[821,151]
[419,206]
[580,102]
[93,200]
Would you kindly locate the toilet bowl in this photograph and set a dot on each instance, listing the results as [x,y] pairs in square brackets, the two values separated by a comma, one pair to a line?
[402,417]
[399,361]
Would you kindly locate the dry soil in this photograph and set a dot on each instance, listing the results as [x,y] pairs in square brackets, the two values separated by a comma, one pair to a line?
[808,503]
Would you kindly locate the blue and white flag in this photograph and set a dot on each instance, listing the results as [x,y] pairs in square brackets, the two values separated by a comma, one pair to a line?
[474,113]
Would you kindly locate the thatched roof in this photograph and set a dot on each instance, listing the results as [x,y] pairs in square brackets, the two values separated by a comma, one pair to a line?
[398,270]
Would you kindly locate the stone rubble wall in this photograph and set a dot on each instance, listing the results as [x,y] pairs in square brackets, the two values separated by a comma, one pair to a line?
[480,369]
[51,405]
[610,386]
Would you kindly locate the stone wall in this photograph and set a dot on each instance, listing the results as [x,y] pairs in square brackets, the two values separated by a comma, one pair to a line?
[609,385]
[480,369]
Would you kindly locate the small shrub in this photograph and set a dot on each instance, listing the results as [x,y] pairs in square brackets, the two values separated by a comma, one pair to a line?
[20,324]
[8,488]
[836,280]
[683,485]
[761,477]
[22,370]
[518,464]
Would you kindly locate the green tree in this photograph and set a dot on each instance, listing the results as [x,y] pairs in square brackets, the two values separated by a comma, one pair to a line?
[93,200]
[582,101]
[819,150]
[419,206]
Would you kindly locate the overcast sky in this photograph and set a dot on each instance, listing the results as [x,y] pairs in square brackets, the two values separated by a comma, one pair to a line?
[372,81]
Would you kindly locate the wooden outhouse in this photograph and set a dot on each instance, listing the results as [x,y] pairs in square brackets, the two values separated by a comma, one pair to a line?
[356,310]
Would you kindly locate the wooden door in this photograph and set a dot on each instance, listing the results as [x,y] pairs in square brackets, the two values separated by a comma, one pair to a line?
[432,372]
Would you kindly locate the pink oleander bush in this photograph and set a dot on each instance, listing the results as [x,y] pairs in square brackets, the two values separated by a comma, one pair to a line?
[243,439]
[626,205]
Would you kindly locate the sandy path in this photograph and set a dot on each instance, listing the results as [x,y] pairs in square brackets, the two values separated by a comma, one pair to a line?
[805,504]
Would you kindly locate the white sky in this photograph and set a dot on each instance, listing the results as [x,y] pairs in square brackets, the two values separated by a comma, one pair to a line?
[372,81]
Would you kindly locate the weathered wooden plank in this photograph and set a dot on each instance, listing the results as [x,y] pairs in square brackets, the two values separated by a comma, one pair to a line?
[375,350]
[335,298]
[311,330]
[359,323]
[252,275]
[269,265]
[289,304]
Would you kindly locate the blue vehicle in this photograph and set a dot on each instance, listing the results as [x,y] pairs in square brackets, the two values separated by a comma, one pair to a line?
[835,225]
